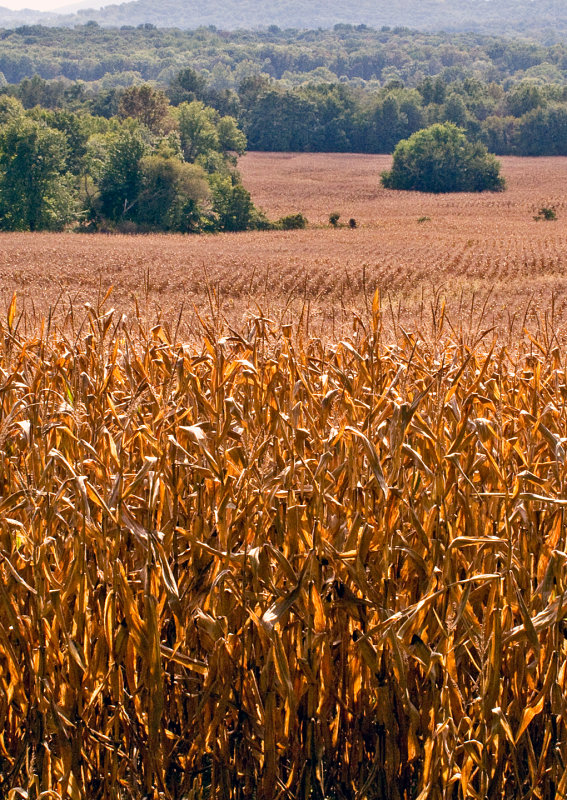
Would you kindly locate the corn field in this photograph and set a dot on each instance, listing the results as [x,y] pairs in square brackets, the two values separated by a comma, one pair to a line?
[266,567]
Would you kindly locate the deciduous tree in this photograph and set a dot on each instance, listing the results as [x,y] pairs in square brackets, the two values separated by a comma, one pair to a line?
[34,191]
[441,159]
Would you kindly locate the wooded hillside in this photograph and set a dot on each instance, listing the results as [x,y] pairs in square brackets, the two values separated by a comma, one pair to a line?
[544,19]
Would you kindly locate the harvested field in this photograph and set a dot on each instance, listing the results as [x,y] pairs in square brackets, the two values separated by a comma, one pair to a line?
[484,245]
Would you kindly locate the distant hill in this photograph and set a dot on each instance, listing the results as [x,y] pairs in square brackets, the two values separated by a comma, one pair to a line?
[65,15]
[534,18]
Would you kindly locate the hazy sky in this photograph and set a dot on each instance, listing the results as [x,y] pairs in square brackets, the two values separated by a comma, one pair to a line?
[50,5]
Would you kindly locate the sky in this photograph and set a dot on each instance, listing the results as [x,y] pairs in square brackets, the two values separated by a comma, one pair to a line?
[51,5]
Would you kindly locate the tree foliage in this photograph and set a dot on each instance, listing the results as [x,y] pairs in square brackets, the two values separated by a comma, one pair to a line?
[149,106]
[121,180]
[149,167]
[441,159]
[34,191]
[197,130]
[198,63]
[349,88]
[232,205]
[145,104]
[170,195]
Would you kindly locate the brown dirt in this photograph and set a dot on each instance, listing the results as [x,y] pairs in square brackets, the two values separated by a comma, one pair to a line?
[485,249]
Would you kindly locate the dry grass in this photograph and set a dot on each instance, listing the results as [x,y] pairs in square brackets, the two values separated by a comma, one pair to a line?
[485,246]
[276,569]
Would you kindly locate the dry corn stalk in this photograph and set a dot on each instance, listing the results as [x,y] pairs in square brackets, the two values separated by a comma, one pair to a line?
[274,569]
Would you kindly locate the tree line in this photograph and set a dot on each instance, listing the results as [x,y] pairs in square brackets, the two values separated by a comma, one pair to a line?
[151,166]
[350,88]
[527,119]
[524,118]
[106,58]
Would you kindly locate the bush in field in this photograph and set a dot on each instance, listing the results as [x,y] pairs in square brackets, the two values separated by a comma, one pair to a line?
[547,213]
[441,159]
[292,222]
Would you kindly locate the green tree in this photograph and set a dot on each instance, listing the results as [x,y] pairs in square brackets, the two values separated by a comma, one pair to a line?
[38,92]
[71,124]
[280,120]
[197,129]
[232,205]
[499,134]
[455,110]
[390,123]
[187,86]
[34,191]
[171,194]
[433,91]
[230,137]
[121,178]
[543,132]
[523,98]
[10,109]
[441,159]
[334,112]
[149,106]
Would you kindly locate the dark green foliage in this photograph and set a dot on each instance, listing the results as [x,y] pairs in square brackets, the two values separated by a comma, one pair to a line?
[35,91]
[34,191]
[346,89]
[441,159]
[500,134]
[292,222]
[185,184]
[455,110]
[232,205]
[334,219]
[171,195]
[121,181]
[151,167]
[280,120]
[125,150]
[523,98]
[178,58]
[547,213]
[543,132]
[187,86]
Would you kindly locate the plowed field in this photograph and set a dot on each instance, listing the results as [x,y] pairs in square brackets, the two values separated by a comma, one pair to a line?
[418,248]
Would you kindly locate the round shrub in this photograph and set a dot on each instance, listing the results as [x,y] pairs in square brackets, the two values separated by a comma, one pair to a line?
[441,159]
[292,222]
